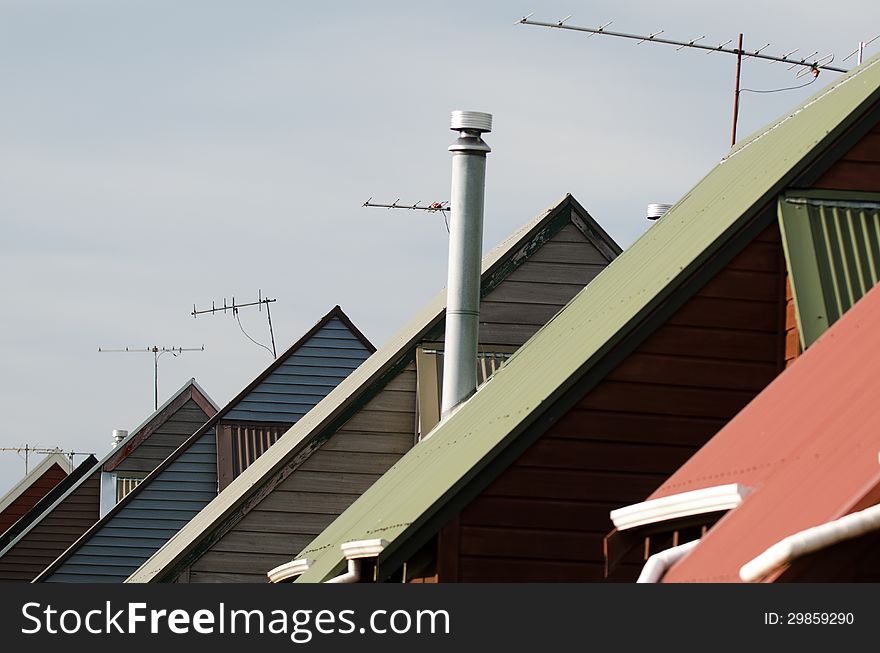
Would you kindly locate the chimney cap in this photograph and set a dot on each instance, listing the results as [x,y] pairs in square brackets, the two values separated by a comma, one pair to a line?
[656,211]
[471,121]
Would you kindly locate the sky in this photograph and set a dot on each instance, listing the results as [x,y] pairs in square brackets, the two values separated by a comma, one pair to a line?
[156,155]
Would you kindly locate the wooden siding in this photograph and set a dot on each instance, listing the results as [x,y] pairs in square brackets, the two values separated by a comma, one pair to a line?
[385,428]
[53,534]
[164,440]
[858,169]
[545,517]
[305,378]
[792,338]
[29,498]
[150,518]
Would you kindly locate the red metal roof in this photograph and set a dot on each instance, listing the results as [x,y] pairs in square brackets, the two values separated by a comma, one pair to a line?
[808,445]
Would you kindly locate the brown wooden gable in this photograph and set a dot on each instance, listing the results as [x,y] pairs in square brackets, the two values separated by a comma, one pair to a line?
[29,498]
[544,518]
[858,169]
[385,427]
[54,533]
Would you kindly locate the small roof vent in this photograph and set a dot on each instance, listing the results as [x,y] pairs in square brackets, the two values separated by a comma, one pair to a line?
[119,435]
[476,121]
[656,211]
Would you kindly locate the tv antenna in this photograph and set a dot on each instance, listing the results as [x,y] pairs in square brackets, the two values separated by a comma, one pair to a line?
[861,50]
[28,449]
[433,207]
[157,352]
[810,64]
[234,308]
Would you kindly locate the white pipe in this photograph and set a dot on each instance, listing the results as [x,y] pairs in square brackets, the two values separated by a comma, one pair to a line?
[656,566]
[810,540]
[465,253]
[353,575]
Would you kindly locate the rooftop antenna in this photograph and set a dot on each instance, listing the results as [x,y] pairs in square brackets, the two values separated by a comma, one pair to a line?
[28,449]
[234,308]
[433,207]
[861,50]
[157,352]
[808,64]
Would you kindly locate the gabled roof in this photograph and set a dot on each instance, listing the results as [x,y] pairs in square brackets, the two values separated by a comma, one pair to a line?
[50,471]
[158,417]
[319,424]
[196,458]
[575,350]
[51,497]
[807,447]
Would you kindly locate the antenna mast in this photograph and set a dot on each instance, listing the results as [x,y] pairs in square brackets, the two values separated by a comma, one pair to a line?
[808,64]
[234,308]
[157,353]
[28,449]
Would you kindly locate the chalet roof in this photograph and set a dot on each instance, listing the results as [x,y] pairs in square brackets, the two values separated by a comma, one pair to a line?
[124,448]
[196,456]
[578,346]
[807,446]
[305,436]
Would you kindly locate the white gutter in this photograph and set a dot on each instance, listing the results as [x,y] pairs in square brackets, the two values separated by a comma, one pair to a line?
[811,540]
[353,575]
[657,565]
[685,504]
[355,552]
[289,570]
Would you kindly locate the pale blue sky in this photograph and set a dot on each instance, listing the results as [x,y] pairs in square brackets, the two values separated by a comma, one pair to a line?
[159,154]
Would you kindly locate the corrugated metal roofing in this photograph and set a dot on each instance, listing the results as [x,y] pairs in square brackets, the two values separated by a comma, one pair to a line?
[304,437]
[184,484]
[565,350]
[832,244]
[807,446]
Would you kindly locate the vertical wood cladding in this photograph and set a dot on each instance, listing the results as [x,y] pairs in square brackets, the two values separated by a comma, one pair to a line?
[858,169]
[544,518]
[385,428]
[29,498]
[57,531]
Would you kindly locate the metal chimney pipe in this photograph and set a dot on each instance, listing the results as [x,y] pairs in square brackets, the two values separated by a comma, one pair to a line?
[465,252]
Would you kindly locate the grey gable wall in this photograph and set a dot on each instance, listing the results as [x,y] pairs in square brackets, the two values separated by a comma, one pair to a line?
[383,429]
[152,514]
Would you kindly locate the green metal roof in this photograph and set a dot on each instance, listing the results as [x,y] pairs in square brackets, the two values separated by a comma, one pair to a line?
[832,247]
[321,421]
[571,346]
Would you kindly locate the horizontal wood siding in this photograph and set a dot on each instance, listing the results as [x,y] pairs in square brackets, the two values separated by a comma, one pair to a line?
[305,378]
[54,533]
[165,439]
[858,169]
[151,517]
[538,289]
[792,338]
[308,500]
[29,498]
[385,428]
[545,517]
